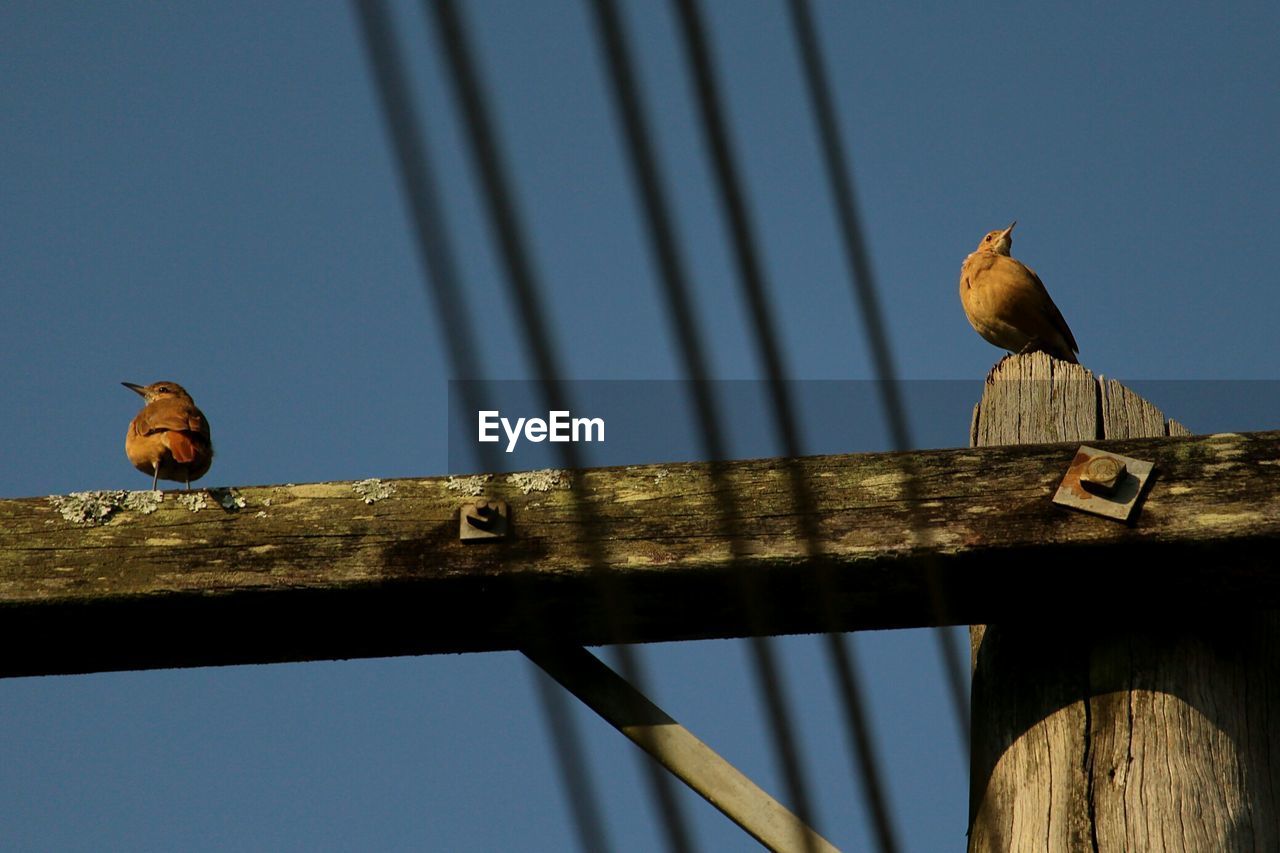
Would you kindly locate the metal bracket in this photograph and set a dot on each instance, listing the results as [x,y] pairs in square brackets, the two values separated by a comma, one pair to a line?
[1102,483]
[483,521]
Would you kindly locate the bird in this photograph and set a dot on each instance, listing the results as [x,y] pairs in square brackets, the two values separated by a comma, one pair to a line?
[170,437]
[1007,303]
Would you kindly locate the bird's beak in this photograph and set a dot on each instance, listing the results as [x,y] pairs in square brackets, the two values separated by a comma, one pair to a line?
[137,388]
[1009,230]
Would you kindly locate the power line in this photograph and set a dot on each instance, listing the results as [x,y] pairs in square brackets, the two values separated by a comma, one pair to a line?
[454,44]
[420,189]
[858,261]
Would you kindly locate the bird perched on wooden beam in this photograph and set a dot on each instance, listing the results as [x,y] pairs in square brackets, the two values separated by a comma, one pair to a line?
[169,438]
[1007,304]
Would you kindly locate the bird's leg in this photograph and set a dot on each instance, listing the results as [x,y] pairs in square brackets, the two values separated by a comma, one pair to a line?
[188,485]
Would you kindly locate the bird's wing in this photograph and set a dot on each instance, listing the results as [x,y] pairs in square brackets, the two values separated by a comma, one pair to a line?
[1013,273]
[196,422]
[1052,313]
[175,415]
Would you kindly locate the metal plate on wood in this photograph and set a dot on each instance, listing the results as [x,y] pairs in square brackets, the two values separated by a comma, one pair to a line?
[1088,487]
[483,521]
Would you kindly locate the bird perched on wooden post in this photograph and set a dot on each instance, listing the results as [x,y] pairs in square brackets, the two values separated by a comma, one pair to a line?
[1007,304]
[169,438]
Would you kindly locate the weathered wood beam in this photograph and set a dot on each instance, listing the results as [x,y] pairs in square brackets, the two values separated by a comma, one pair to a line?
[311,572]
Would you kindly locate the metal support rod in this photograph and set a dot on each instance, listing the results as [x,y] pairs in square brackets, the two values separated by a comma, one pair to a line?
[677,749]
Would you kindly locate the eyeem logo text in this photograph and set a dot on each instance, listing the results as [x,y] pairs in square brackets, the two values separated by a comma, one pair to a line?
[558,426]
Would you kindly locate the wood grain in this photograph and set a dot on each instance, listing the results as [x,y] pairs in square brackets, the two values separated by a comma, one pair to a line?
[1126,723]
[306,572]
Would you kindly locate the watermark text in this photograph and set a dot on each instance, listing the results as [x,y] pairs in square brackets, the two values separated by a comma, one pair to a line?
[558,426]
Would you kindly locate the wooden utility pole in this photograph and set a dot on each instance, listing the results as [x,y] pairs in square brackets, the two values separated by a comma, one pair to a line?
[1123,724]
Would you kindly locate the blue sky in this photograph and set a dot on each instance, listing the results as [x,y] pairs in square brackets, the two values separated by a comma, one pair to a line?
[205,193]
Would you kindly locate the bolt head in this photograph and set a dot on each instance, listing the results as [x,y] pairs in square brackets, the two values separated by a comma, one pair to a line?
[1102,473]
[484,519]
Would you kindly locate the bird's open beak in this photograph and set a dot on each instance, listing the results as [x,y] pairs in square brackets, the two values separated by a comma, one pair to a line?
[137,388]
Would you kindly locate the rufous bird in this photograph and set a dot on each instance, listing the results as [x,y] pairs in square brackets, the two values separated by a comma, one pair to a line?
[1007,304]
[169,438]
